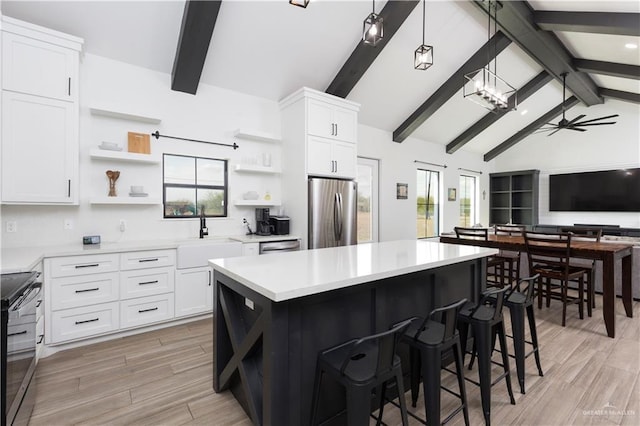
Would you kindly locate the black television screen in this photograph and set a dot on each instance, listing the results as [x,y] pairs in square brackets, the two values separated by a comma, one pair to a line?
[604,191]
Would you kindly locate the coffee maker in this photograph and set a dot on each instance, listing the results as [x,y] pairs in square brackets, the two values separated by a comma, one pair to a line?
[263,227]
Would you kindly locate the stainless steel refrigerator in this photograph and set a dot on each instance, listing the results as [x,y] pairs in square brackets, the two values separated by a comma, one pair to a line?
[332,212]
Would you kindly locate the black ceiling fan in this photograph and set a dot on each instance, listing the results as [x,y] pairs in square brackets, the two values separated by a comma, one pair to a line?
[574,124]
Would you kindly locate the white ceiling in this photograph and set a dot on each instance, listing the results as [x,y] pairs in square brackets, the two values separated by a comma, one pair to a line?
[269,49]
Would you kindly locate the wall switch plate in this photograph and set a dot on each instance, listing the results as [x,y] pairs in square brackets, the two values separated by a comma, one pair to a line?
[12,226]
[248,303]
[91,239]
[68,224]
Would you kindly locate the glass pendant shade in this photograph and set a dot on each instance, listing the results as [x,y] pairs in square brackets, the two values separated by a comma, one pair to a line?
[301,3]
[490,91]
[372,29]
[423,57]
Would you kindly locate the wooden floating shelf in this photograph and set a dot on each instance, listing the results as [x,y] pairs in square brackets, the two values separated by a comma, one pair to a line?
[125,200]
[243,168]
[104,154]
[124,115]
[254,135]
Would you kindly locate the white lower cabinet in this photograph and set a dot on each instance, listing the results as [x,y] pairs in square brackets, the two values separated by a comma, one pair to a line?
[250,249]
[92,295]
[87,321]
[146,310]
[194,291]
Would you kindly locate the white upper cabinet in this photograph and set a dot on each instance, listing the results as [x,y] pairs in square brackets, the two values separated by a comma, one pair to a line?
[39,68]
[332,121]
[40,115]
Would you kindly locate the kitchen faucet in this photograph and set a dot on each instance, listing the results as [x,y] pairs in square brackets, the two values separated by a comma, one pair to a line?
[203,224]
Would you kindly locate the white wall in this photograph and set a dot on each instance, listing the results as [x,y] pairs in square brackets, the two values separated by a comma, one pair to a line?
[599,148]
[398,217]
[211,115]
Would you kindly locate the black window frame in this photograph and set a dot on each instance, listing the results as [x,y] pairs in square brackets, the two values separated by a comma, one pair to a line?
[224,188]
[437,207]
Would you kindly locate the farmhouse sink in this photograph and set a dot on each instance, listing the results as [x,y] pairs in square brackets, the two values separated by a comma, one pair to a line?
[194,254]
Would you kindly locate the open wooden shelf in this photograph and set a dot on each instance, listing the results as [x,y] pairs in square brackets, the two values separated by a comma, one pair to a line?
[243,168]
[125,200]
[131,157]
[124,115]
[255,135]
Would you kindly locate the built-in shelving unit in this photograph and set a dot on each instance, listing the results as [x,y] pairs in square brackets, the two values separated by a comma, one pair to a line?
[513,197]
[257,203]
[124,115]
[125,200]
[131,157]
[243,168]
[254,135]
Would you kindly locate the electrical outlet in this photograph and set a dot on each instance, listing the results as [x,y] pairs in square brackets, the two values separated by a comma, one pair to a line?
[123,225]
[68,224]
[12,226]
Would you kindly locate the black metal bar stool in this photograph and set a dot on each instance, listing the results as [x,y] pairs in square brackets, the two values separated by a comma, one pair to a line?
[429,339]
[486,322]
[520,301]
[362,365]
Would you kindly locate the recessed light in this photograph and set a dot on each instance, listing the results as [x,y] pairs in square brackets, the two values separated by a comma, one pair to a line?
[631,46]
[523,112]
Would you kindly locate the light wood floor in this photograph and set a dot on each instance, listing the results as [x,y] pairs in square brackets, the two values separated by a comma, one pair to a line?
[164,378]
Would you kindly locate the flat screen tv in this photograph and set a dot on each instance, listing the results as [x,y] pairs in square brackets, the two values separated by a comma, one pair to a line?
[603,191]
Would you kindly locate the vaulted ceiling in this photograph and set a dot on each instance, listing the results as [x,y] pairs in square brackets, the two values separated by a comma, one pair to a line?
[270,48]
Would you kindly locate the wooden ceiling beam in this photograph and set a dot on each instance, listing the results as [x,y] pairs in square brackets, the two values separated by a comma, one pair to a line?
[532,86]
[620,95]
[541,121]
[516,20]
[394,13]
[486,53]
[607,68]
[198,21]
[589,22]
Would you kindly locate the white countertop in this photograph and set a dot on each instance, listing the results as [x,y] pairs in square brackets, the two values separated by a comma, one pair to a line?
[18,259]
[289,275]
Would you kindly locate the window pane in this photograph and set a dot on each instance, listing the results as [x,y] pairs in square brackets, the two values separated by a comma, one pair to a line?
[180,202]
[428,209]
[210,172]
[365,181]
[467,200]
[212,200]
[179,170]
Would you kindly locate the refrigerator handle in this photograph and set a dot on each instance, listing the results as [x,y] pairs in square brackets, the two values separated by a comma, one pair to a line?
[340,216]
[336,216]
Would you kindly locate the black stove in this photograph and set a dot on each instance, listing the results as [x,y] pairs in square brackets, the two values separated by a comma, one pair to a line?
[13,285]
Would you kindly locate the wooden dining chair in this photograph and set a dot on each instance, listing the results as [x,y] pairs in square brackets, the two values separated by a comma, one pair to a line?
[496,265]
[514,265]
[589,265]
[549,256]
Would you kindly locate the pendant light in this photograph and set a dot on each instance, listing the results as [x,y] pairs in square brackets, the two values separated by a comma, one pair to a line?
[372,29]
[423,56]
[484,86]
[301,3]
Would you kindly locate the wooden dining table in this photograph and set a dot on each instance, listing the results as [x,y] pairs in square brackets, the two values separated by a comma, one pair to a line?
[607,252]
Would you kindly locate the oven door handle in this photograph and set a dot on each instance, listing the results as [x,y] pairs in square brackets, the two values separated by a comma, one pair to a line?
[31,295]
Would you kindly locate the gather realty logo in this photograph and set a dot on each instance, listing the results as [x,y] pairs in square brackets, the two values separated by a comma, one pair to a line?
[609,410]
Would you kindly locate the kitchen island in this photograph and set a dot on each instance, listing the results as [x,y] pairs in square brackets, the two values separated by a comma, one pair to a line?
[272,314]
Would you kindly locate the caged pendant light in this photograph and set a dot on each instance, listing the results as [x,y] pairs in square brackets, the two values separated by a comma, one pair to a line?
[423,56]
[300,3]
[372,28]
[484,86]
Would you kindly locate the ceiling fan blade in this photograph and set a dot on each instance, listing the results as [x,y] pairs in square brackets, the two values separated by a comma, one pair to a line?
[599,118]
[576,119]
[545,129]
[593,124]
[554,132]
[578,129]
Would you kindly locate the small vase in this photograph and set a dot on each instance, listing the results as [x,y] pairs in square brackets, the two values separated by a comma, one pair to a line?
[113,176]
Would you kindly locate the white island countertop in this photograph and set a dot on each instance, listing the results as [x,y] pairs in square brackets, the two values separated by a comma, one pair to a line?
[289,275]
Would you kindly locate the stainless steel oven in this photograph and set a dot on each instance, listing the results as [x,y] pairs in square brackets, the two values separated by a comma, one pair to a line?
[20,295]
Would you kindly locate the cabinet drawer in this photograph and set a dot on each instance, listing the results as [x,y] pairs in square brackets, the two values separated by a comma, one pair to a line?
[84,322]
[146,310]
[147,259]
[39,337]
[73,292]
[146,282]
[81,265]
